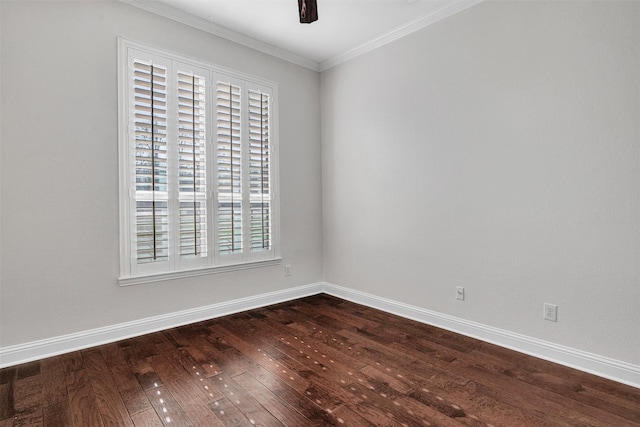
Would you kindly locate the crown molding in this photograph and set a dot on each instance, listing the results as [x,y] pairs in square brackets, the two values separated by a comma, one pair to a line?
[402,31]
[177,15]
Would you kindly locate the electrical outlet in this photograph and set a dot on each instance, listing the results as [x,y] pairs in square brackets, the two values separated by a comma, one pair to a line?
[550,312]
[287,270]
[460,293]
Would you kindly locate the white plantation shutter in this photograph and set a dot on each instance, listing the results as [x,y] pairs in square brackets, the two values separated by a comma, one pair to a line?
[229,168]
[192,164]
[151,168]
[259,172]
[197,165]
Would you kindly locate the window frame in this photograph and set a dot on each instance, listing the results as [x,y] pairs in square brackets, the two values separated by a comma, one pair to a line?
[130,272]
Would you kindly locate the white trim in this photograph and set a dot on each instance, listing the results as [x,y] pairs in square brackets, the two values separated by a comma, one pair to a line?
[125,43]
[22,353]
[616,370]
[123,157]
[177,15]
[176,267]
[398,33]
[171,275]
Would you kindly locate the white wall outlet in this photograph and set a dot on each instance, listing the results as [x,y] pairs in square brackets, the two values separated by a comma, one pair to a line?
[460,293]
[287,270]
[550,312]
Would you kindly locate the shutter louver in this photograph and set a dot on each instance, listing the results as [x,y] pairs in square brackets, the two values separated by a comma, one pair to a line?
[150,136]
[259,171]
[198,162]
[229,168]
[192,185]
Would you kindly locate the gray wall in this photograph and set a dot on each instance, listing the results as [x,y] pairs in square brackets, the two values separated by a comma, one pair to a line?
[59,172]
[496,150]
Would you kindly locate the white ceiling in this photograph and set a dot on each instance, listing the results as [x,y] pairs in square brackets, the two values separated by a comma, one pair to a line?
[345,28]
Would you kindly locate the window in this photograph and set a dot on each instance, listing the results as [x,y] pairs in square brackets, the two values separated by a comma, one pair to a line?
[198,167]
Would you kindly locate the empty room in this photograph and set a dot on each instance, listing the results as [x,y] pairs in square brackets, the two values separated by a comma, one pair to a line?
[309,213]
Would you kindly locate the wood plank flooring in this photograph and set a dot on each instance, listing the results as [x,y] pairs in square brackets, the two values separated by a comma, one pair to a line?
[315,361]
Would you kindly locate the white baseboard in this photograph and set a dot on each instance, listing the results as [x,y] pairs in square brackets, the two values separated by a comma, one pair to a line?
[622,372]
[616,370]
[22,353]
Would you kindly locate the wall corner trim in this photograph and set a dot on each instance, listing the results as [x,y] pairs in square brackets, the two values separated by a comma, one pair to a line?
[397,33]
[22,353]
[193,21]
[616,370]
[612,369]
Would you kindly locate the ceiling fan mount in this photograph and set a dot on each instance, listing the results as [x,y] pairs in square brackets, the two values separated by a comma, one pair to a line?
[308,11]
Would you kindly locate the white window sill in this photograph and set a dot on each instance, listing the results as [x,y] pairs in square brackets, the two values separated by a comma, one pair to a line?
[171,275]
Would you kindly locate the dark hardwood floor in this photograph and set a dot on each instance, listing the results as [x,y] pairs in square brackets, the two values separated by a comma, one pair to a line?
[311,362]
